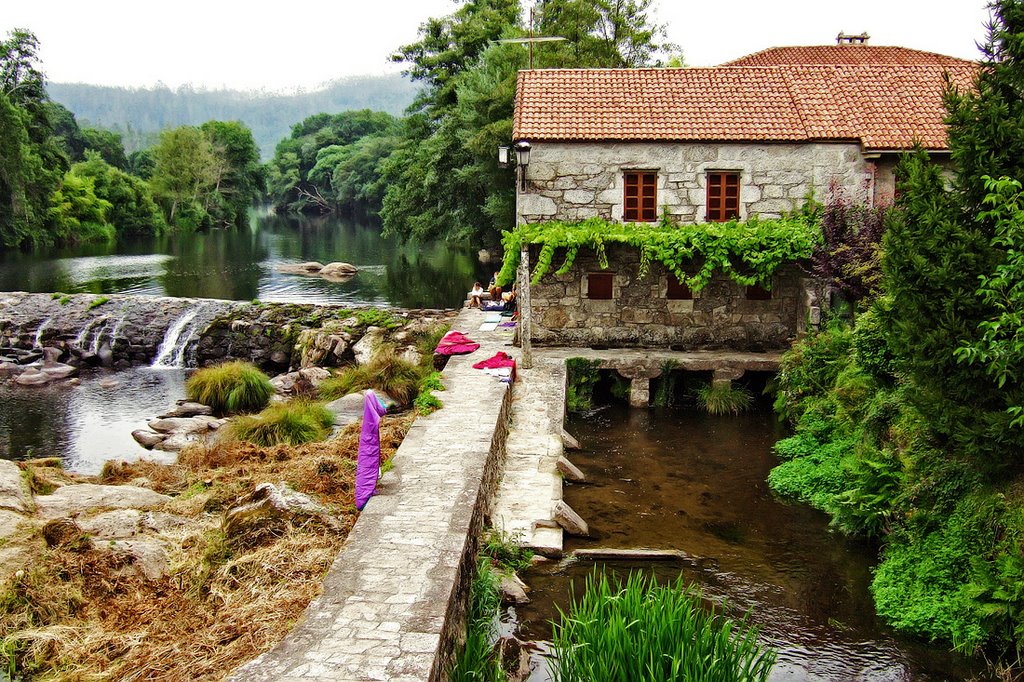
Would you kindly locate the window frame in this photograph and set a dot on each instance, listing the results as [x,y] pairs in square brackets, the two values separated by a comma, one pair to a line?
[722,195]
[640,196]
[608,277]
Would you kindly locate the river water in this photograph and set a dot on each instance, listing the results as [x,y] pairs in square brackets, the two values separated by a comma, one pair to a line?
[241,265]
[677,479]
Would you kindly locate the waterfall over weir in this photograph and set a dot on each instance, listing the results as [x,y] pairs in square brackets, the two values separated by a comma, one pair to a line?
[182,337]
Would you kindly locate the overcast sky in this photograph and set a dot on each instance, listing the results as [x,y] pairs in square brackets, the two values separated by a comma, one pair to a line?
[285,45]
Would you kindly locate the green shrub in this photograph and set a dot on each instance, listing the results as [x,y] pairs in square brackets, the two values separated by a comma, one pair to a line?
[583,376]
[644,631]
[230,388]
[809,369]
[387,373]
[812,473]
[477,661]
[505,551]
[723,398]
[292,423]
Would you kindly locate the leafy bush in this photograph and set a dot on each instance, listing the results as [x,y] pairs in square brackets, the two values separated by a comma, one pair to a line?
[644,631]
[723,398]
[292,423]
[505,551]
[812,472]
[230,388]
[387,373]
[809,369]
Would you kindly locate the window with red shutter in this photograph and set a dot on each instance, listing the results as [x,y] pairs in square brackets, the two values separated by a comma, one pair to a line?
[640,197]
[599,286]
[723,196]
[756,292]
[677,291]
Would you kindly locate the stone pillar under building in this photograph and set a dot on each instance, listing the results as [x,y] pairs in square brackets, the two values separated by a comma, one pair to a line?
[640,392]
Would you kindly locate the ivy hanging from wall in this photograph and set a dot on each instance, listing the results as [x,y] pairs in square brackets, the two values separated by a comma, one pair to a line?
[748,252]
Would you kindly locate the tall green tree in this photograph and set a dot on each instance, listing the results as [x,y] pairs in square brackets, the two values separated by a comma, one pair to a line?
[132,209]
[602,33]
[243,179]
[107,143]
[185,175]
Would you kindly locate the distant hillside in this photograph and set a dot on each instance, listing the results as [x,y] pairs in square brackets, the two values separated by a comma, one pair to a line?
[140,113]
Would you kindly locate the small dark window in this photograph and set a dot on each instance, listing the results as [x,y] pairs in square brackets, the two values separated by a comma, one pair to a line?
[756,292]
[599,286]
[640,197]
[677,291]
[723,196]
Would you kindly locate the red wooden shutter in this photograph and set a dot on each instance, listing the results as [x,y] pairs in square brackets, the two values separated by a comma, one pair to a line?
[599,286]
[677,291]
[640,197]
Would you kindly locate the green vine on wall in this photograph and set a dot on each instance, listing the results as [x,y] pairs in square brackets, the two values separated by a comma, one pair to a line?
[748,252]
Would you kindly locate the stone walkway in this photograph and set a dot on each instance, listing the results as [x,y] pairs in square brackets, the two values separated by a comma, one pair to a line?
[394,600]
[531,483]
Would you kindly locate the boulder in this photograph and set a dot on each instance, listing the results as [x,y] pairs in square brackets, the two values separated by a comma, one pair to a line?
[270,508]
[513,590]
[9,524]
[411,355]
[32,377]
[105,355]
[116,524]
[147,557]
[12,493]
[302,381]
[308,268]
[367,347]
[338,271]
[148,439]
[176,441]
[51,354]
[570,471]
[186,408]
[347,409]
[83,498]
[569,520]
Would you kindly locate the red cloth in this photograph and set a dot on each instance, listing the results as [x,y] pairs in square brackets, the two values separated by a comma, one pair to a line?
[500,359]
[456,343]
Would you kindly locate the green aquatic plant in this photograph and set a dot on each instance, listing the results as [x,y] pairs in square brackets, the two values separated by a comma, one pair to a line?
[724,398]
[292,423]
[230,388]
[477,661]
[97,302]
[583,376]
[645,631]
[666,385]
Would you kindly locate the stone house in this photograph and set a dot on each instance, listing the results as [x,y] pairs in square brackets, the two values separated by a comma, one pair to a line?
[756,136]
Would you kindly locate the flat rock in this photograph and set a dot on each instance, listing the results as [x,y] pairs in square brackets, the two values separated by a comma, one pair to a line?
[58,370]
[148,439]
[160,522]
[569,441]
[513,590]
[9,523]
[116,524]
[338,270]
[148,557]
[570,471]
[12,492]
[638,554]
[82,498]
[347,409]
[176,425]
[33,377]
[307,268]
[571,522]
[187,409]
[176,441]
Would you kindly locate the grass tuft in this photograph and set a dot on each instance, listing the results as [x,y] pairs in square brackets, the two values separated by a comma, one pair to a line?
[721,398]
[387,373]
[230,388]
[645,631]
[291,423]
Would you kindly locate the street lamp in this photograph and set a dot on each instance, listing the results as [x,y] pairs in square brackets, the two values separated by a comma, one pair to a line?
[523,159]
[503,156]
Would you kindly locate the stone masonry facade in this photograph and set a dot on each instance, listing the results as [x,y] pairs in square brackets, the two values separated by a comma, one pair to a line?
[578,180]
[639,314]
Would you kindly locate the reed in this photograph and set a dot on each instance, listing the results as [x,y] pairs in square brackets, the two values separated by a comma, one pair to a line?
[645,631]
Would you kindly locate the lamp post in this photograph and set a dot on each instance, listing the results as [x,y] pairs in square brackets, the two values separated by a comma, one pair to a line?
[522,149]
[522,160]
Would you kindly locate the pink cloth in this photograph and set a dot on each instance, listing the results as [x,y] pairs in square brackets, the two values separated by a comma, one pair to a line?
[499,359]
[368,463]
[456,343]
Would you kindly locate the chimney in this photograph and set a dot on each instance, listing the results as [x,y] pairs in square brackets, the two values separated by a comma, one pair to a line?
[843,39]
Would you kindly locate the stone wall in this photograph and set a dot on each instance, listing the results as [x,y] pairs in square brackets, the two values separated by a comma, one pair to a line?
[639,314]
[575,181]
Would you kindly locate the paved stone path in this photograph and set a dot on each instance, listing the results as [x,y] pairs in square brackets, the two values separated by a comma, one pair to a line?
[531,484]
[394,600]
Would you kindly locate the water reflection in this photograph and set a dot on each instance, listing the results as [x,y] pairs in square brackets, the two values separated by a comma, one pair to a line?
[88,424]
[680,480]
[241,264]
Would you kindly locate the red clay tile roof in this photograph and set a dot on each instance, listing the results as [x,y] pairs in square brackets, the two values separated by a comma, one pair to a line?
[883,106]
[846,54]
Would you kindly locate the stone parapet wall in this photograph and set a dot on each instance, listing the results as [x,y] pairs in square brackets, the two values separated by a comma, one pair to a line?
[575,181]
[640,315]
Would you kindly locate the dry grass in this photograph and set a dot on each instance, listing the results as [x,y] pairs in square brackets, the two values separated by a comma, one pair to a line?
[87,616]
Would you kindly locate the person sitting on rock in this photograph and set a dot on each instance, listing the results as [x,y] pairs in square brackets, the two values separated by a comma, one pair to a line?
[494,289]
[476,295]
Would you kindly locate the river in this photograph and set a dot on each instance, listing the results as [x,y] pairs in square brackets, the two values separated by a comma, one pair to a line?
[677,479]
[241,265]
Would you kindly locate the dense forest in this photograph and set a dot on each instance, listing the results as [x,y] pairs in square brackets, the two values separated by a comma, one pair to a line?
[139,114]
[909,408]
[60,182]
